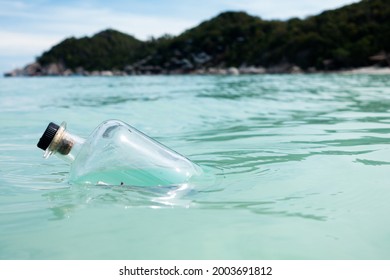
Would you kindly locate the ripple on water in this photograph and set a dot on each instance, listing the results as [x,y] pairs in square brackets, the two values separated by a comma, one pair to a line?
[292,162]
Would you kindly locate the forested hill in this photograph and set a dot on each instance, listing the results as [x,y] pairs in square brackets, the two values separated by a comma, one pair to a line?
[352,36]
[105,50]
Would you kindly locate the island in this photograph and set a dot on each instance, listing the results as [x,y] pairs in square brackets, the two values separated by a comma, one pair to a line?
[353,36]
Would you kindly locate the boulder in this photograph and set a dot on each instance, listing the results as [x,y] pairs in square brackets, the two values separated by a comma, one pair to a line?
[106,73]
[33,69]
[232,71]
[68,72]
[251,70]
[14,73]
[53,69]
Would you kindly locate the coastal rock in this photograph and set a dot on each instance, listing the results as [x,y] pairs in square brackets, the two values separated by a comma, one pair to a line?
[369,70]
[295,70]
[382,58]
[53,69]
[119,73]
[81,72]
[284,68]
[130,70]
[106,73]
[252,70]
[14,73]
[216,71]
[33,69]
[200,71]
[68,72]
[94,73]
[232,71]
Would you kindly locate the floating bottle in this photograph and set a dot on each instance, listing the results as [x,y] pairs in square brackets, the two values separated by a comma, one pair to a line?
[117,154]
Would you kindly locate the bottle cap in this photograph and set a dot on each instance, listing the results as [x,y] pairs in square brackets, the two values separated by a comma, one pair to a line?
[48,136]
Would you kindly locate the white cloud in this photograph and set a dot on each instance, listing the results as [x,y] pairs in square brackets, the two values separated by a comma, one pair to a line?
[18,43]
[284,9]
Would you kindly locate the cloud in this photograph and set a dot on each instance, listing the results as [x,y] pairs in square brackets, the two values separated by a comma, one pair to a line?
[16,43]
[284,9]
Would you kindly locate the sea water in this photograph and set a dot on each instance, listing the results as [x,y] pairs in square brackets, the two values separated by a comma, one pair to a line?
[297,167]
[138,177]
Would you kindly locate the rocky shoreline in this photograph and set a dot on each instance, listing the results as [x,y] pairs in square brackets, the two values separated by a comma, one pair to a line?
[57,69]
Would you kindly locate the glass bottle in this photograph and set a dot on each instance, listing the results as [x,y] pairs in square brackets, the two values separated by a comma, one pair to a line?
[117,154]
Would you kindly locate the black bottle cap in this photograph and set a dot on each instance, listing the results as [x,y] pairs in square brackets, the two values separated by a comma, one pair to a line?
[48,136]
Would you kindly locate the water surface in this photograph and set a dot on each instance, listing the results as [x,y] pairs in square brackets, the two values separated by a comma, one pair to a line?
[298,167]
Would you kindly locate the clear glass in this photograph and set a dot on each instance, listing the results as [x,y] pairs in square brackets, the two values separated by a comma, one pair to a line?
[64,145]
[118,154]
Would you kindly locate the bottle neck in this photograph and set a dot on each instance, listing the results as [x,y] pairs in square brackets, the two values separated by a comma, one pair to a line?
[64,145]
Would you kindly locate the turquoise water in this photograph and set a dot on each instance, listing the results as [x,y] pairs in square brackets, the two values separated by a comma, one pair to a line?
[298,167]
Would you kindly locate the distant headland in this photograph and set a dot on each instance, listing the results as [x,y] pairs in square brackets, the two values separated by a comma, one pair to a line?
[354,36]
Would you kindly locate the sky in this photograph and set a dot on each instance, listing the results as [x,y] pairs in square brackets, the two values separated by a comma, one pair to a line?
[30,27]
